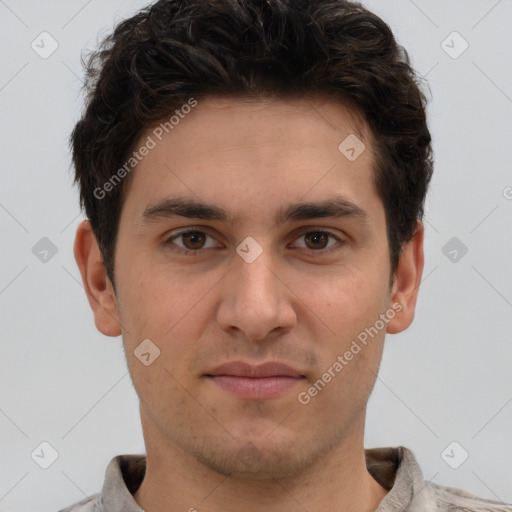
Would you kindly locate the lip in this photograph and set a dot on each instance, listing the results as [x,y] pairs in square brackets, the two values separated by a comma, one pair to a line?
[255,382]
[242,369]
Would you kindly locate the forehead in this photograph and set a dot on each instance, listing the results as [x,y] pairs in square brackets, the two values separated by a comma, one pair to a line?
[227,150]
[260,116]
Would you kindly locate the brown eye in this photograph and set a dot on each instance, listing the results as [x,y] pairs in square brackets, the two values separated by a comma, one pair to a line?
[319,242]
[193,239]
[317,239]
[191,242]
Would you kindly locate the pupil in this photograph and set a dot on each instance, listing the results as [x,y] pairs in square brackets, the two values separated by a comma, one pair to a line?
[195,238]
[316,236]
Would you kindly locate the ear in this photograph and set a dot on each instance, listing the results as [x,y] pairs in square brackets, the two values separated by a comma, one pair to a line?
[97,285]
[406,282]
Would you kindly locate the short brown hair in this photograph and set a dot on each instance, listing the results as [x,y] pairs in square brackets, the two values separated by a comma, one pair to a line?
[155,61]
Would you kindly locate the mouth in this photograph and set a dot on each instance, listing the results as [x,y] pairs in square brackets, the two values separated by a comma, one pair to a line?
[251,382]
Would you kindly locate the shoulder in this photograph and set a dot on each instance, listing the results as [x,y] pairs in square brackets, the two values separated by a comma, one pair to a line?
[91,504]
[397,469]
[449,499]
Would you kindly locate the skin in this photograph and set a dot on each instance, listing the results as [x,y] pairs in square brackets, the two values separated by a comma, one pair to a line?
[293,304]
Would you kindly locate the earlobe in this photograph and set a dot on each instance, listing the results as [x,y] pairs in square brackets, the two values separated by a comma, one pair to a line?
[98,287]
[406,283]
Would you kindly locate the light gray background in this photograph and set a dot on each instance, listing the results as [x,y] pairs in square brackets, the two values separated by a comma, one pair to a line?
[447,378]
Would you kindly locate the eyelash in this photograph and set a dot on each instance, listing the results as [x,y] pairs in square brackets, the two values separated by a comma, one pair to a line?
[312,229]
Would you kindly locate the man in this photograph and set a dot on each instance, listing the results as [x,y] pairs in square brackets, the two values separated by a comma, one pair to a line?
[254,175]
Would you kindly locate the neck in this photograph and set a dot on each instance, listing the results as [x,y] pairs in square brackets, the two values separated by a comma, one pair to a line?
[339,480]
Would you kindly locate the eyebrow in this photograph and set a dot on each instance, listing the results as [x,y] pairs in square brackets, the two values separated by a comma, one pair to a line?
[336,207]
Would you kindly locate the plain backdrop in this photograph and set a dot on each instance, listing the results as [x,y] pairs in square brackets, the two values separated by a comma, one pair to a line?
[446,379]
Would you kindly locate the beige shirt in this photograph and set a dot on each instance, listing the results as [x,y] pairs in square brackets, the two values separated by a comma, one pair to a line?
[394,468]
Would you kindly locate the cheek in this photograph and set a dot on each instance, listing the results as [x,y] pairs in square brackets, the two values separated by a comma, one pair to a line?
[350,307]
[170,309]
[346,303]
[156,298]
[159,389]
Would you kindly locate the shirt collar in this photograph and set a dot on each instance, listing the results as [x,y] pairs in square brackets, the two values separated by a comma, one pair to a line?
[395,468]
[123,476]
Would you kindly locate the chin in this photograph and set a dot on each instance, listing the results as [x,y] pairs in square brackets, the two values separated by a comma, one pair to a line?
[258,459]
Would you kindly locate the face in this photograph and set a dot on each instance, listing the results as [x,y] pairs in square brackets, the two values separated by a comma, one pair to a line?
[253,278]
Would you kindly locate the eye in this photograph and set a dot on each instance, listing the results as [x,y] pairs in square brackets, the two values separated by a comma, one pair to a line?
[193,241]
[317,241]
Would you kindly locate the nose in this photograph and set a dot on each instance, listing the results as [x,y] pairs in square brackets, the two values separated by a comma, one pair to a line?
[257,301]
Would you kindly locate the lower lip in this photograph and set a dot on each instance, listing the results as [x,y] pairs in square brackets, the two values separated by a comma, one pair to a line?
[255,388]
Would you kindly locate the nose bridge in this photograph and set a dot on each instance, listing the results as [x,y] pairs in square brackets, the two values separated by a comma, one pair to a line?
[255,301]
[255,274]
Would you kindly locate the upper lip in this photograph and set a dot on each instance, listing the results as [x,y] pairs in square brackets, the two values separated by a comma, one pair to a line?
[242,369]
